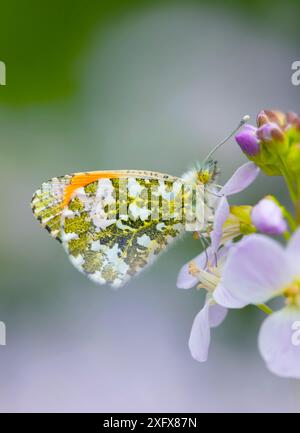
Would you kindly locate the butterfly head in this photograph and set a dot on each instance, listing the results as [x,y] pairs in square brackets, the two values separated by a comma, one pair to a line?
[207,172]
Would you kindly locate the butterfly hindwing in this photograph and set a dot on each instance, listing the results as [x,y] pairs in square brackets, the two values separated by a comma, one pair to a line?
[110,248]
[47,202]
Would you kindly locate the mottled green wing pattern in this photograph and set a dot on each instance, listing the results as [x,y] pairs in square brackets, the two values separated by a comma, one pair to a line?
[111,236]
[108,247]
[46,204]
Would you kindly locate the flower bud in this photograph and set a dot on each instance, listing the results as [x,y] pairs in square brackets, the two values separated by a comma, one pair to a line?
[267,217]
[276,116]
[291,117]
[296,123]
[262,119]
[269,132]
[273,145]
[248,141]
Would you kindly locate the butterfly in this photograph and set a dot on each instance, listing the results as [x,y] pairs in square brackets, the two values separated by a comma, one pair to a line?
[82,211]
[113,224]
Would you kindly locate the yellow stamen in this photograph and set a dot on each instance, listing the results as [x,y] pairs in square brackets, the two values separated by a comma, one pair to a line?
[208,280]
[292,293]
[193,269]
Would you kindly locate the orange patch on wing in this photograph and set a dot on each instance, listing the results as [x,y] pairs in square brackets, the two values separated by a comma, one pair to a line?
[82,179]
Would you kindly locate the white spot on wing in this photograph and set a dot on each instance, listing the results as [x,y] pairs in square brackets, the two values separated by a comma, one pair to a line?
[139,212]
[134,188]
[77,261]
[144,240]
[95,246]
[66,237]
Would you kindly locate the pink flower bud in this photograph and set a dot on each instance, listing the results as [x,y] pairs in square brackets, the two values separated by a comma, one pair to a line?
[248,140]
[267,217]
[269,132]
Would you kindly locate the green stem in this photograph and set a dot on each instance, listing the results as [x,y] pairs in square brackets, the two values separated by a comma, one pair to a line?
[265,308]
[290,184]
[297,210]
[293,189]
[289,217]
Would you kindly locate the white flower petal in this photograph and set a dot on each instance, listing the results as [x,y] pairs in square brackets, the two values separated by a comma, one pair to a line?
[211,316]
[294,243]
[227,298]
[221,215]
[241,179]
[293,250]
[279,342]
[200,335]
[256,269]
[185,280]
[217,315]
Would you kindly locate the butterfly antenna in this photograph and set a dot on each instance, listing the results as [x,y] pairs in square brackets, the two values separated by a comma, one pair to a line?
[241,123]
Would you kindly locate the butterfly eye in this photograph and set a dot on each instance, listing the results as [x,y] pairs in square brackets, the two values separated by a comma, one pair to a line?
[204,176]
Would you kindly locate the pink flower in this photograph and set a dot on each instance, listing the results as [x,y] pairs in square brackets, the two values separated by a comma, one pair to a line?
[258,269]
[204,271]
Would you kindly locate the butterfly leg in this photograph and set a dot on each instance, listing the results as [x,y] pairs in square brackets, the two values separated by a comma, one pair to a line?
[214,193]
[205,244]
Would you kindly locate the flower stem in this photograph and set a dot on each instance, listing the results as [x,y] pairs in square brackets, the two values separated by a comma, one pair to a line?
[293,190]
[286,175]
[297,209]
[265,308]
[289,217]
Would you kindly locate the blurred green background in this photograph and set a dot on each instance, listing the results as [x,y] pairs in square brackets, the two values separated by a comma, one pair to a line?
[129,84]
